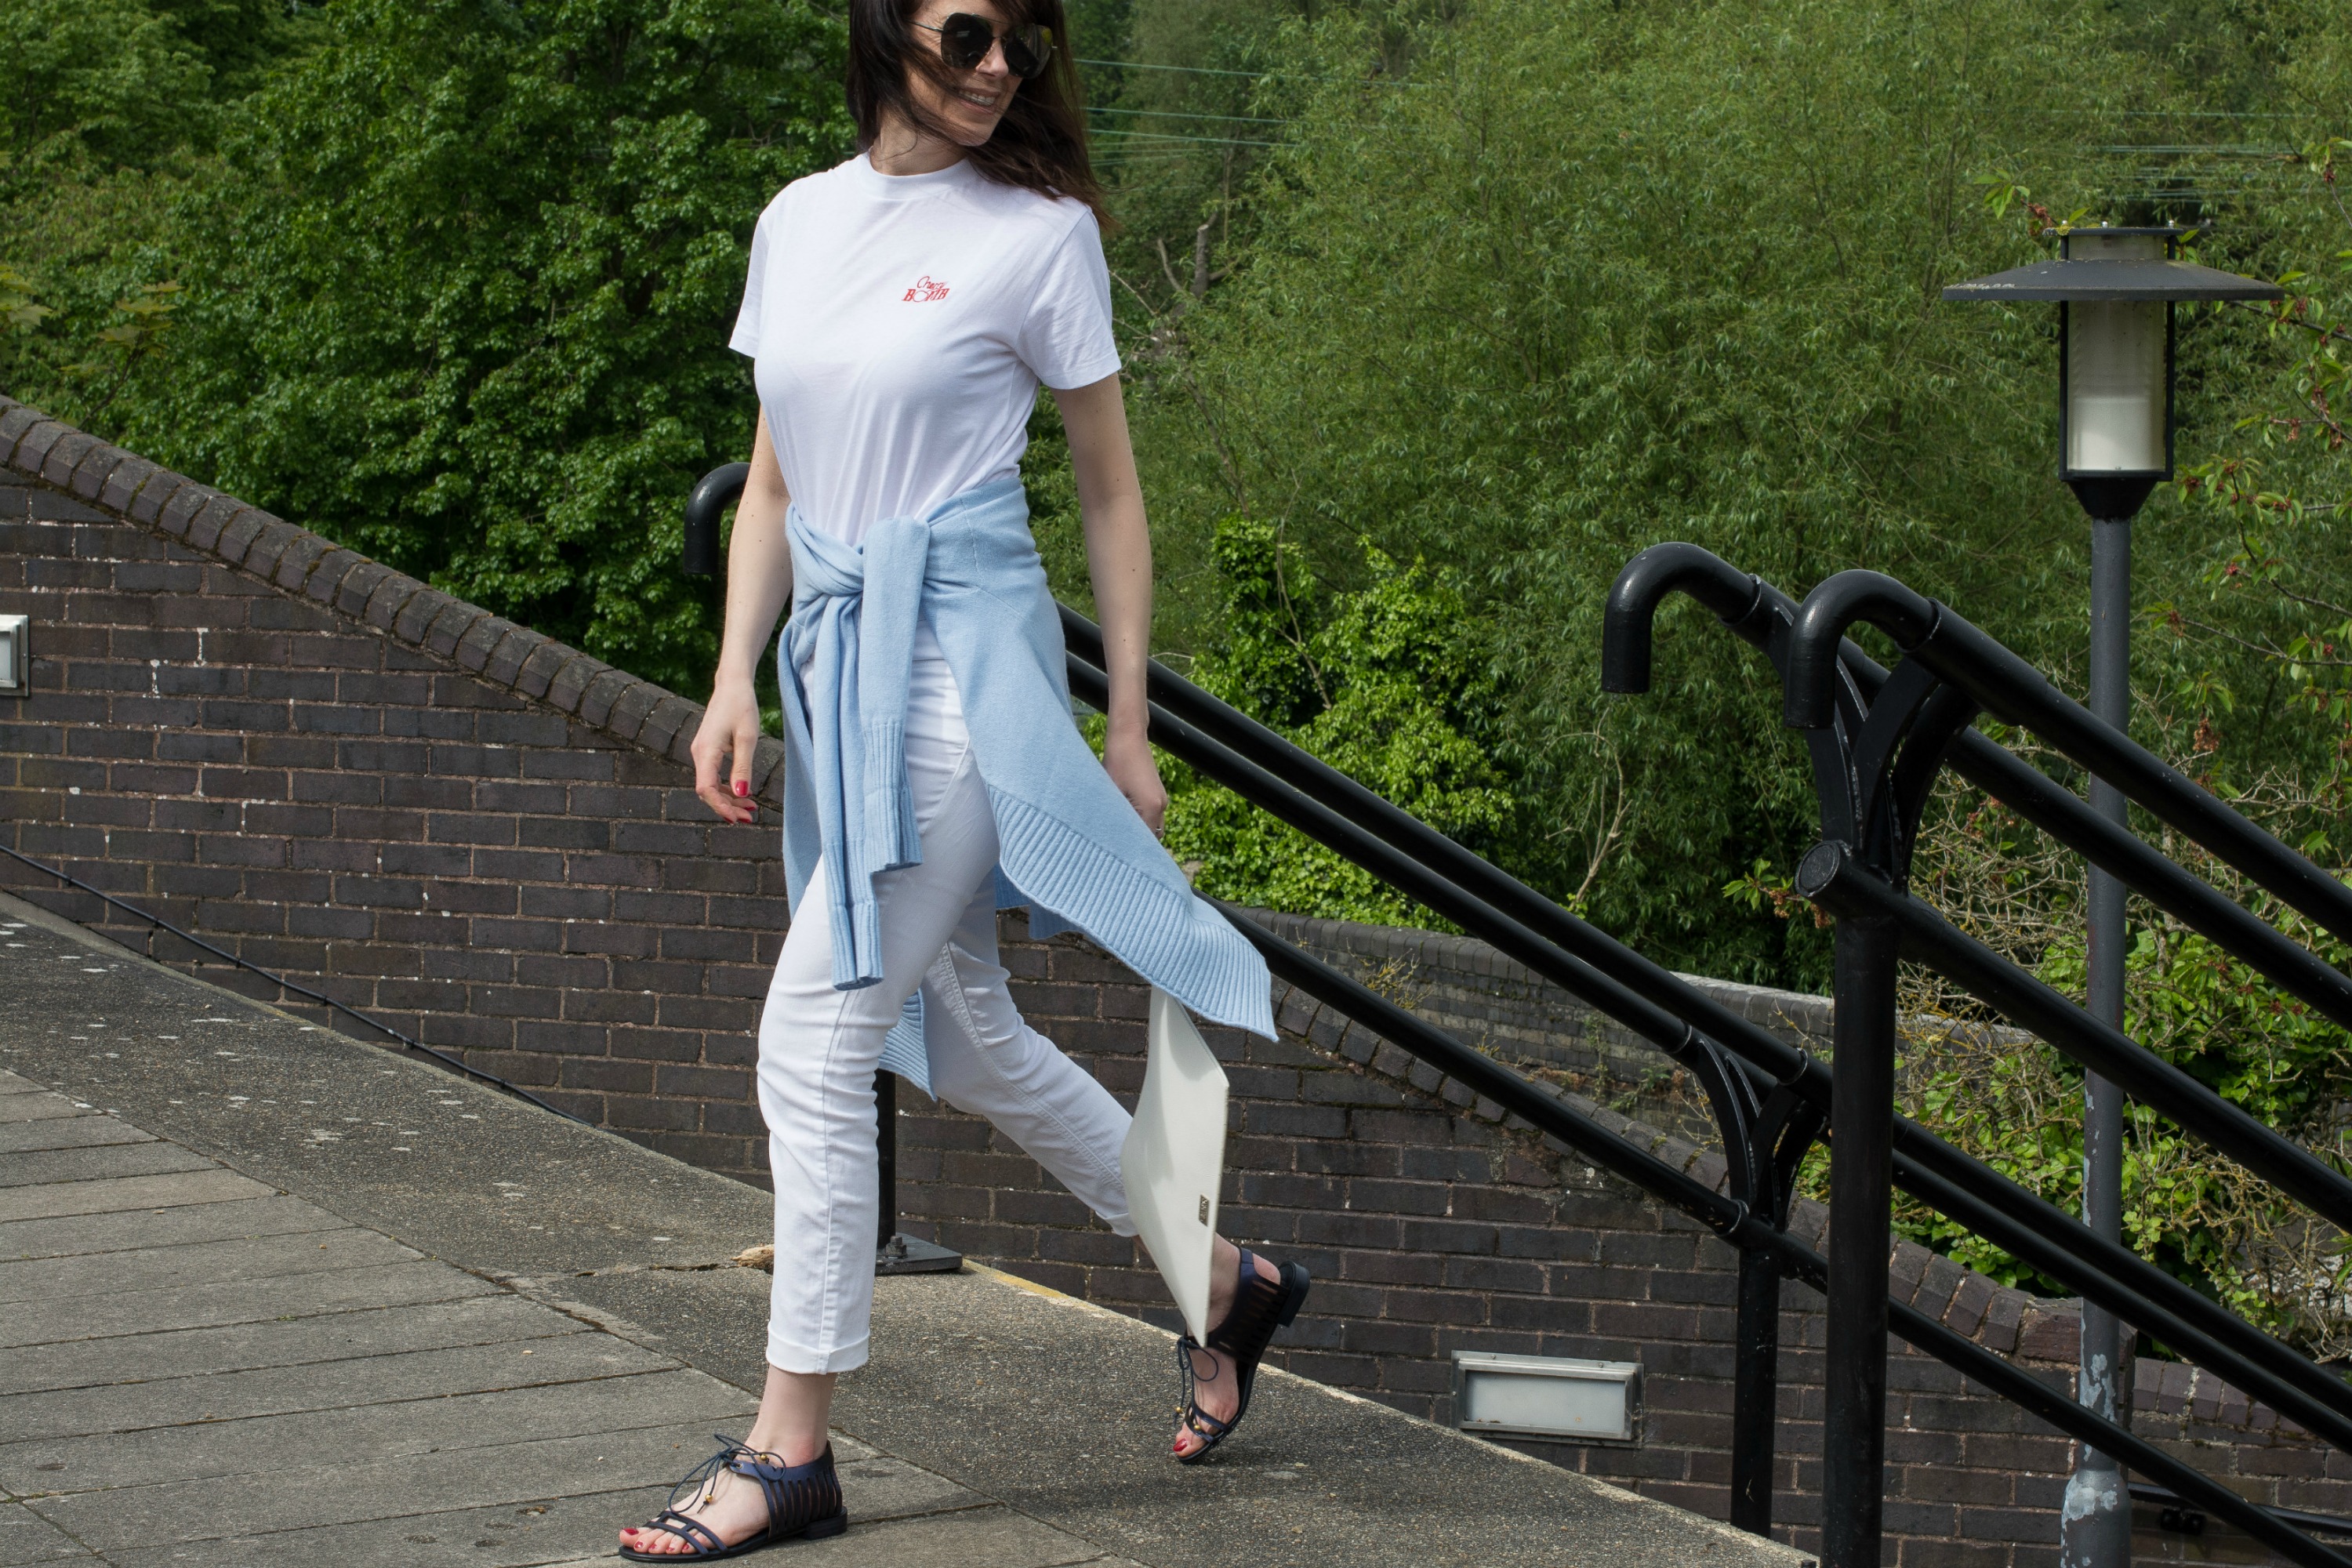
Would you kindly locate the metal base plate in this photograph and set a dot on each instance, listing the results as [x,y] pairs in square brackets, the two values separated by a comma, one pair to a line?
[905,1255]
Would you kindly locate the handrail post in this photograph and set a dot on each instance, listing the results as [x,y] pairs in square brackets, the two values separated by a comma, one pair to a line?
[1862,1133]
[1766,1132]
[1755,1390]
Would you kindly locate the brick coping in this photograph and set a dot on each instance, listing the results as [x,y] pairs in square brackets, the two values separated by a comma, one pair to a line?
[636,712]
[309,565]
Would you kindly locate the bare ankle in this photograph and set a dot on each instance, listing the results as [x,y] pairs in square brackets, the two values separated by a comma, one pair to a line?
[790,1448]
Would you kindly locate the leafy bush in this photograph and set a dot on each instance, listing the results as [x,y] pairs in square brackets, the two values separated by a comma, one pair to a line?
[1594,275]
[459,293]
[2018,1104]
[1391,684]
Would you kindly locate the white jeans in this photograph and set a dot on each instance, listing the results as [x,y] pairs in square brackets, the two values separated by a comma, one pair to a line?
[818,1047]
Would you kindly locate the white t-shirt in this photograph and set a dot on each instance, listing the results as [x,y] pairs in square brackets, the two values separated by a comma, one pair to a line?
[900,325]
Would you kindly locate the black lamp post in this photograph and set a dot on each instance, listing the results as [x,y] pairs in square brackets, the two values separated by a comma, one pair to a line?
[2114,289]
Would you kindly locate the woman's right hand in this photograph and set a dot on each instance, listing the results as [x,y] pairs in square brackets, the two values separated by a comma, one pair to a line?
[730,730]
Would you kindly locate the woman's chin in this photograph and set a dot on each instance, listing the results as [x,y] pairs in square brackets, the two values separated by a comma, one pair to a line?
[972,131]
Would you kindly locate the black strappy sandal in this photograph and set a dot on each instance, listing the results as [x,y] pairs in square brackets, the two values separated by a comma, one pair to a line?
[1261,1306]
[803,1504]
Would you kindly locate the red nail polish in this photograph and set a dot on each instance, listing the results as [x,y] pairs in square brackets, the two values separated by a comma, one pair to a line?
[743,787]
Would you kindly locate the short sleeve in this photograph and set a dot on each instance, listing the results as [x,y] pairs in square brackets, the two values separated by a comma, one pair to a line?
[1065,338]
[746,340]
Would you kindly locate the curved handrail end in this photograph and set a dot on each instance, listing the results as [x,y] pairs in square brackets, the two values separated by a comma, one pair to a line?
[1836,602]
[1646,580]
[713,494]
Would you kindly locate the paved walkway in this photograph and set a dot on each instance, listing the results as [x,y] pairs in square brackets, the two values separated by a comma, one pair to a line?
[269,1295]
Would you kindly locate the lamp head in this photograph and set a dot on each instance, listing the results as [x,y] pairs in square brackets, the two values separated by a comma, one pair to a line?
[2114,289]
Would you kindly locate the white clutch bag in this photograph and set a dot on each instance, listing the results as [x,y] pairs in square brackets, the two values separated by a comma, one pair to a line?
[1174,1157]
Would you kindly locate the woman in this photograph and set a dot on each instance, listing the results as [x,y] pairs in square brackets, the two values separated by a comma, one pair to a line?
[902,310]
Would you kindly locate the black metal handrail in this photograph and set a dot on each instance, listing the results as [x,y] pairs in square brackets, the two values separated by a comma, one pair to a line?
[713,494]
[1762,616]
[1949,1181]
[2013,691]
[1832,877]
[1878,741]
[1547,1113]
[1759,613]
[2301,1518]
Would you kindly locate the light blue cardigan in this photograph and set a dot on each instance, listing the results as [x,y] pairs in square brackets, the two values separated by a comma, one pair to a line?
[1069,845]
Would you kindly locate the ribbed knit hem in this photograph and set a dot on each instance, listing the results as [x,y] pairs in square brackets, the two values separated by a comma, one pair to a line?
[892,839]
[1170,938]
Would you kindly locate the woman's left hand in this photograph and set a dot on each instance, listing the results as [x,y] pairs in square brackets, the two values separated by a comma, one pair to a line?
[1129,759]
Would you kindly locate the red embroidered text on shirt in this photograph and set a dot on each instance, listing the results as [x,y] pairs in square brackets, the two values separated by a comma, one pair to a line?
[925,291]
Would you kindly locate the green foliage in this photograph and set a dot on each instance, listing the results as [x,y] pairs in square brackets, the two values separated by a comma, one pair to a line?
[87,83]
[21,315]
[1391,684]
[1604,275]
[108,110]
[460,295]
[2197,1214]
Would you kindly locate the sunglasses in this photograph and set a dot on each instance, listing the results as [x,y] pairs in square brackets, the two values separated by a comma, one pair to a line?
[965,39]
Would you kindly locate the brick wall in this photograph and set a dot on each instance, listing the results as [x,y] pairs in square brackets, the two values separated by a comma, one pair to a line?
[488,840]
[446,821]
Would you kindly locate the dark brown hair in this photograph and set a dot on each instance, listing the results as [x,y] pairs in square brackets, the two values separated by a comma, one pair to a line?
[1039,145]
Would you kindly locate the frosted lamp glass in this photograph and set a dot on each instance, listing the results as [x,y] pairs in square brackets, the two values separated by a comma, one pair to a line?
[7,659]
[2114,367]
[2115,386]
[1554,1396]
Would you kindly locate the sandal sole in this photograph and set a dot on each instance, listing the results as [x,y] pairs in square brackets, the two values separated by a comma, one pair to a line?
[821,1530]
